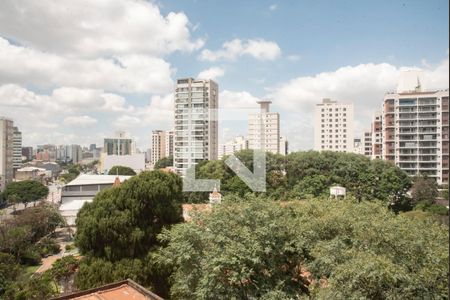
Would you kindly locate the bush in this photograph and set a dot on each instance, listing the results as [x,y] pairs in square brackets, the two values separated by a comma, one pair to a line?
[31,257]
[438,209]
[48,246]
[69,247]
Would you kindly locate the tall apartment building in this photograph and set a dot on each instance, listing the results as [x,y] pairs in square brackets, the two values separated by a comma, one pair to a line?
[237,144]
[333,127]
[416,133]
[367,143]
[17,149]
[121,144]
[6,152]
[284,145]
[264,129]
[196,122]
[70,153]
[377,136]
[170,141]
[162,144]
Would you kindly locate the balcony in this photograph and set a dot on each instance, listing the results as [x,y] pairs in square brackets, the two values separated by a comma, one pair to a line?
[407,116]
[427,116]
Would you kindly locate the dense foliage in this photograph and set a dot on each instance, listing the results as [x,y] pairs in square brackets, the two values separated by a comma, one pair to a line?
[122,170]
[164,162]
[25,191]
[122,222]
[23,243]
[301,175]
[424,190]
[118,230]
[327,249]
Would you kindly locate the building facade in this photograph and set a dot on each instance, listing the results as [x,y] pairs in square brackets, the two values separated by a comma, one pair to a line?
[237,144]
[6,152]
[27,152]
[17,149]
[264,129]
[333,127]
[367,143]
[415,132]
[377,136]
[121,144]
[162,144]
[70,154]
[196,122]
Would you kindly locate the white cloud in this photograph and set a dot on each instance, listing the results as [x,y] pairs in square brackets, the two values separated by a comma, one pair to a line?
[81,121]
[81,112]
[91,28]
[242,99]
[211,73]
[128,73]
[273,7]
[231,50]
[364,85]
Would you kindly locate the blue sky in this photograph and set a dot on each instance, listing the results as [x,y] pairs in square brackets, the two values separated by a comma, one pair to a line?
[76,71]
[325,34]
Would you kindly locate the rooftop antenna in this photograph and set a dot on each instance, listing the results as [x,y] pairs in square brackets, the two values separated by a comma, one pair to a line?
[419,86]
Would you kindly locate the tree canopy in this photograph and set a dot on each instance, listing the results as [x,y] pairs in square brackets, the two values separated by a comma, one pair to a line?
[164,162]
[328,249]
[301,175]
[25,191]
[122,170]
[123,221]
[424,190]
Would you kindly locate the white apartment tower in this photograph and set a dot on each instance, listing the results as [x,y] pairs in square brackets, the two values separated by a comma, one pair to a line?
[333,127]
[237,144]
[6,152]
[415,132]
[196,122]
[264,129]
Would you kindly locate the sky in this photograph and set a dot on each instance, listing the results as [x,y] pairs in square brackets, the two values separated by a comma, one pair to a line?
[77,71]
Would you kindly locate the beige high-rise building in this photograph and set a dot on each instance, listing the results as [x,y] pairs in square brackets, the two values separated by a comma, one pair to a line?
[415,132]
[162,144]
[196,122]
[333,126]
[264,129]
[6,152]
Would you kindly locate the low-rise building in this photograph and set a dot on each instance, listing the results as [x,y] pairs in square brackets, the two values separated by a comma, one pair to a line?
[81,190]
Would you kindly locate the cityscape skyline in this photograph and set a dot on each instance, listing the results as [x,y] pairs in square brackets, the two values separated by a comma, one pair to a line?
[130,87]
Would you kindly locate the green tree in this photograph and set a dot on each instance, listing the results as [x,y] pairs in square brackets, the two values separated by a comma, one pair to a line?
[26,191]
[424,190]
[9,270]
[164,162]
[329,249]
[122,222]
[242,250]
[63,270]
[122,170]
[37,287]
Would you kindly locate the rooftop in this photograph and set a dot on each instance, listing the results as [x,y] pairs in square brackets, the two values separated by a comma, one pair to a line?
[122,290]
[87,179]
